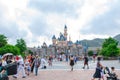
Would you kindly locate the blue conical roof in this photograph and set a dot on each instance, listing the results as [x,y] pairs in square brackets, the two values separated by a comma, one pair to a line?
[53,37]
[65,27]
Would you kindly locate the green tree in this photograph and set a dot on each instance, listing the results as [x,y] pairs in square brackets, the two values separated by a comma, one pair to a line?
[21,44]
[3,40]
[90,53]
[109,47]
[119,51]
[9,49]
[30,52]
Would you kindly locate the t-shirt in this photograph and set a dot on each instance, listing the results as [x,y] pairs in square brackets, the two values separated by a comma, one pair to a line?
[36,61]
[86,59]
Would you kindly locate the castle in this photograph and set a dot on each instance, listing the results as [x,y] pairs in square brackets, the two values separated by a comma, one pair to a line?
[61,45]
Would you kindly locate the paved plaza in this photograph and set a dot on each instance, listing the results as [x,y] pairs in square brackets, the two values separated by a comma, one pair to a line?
[61,71]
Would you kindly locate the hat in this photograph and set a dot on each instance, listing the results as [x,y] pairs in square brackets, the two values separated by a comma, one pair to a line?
[20,56]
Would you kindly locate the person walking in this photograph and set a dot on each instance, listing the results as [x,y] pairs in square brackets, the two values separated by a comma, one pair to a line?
[86,62]
[20,68]
[50,60]
[71,62]
[27,66]
[36,63]
[98,70]
[31,63]
[43,63]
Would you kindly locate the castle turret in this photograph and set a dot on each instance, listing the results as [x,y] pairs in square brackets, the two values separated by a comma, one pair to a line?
[54,40]
[65,32]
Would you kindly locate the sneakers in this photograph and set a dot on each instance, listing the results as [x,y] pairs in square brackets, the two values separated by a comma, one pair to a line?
[23,77]
[83,67]
[14,77]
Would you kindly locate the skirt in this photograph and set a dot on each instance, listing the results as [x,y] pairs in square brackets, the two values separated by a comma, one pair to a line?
[97,73]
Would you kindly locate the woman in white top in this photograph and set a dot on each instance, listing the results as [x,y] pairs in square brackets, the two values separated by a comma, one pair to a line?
[43,63]
[4,63]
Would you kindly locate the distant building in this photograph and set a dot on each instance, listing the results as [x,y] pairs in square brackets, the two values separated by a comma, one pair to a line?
[62,45]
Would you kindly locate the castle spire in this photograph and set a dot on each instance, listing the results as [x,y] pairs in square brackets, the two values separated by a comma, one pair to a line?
[65,32]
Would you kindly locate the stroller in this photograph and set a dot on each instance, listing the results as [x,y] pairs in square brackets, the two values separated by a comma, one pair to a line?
[110,76]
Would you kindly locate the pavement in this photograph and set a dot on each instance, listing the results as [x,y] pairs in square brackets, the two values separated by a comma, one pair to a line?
[61,75]
[61,71]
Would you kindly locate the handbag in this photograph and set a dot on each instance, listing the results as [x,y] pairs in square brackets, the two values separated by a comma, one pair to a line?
[45,67]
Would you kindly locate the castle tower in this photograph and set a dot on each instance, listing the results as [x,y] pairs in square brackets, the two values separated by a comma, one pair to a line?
[65,32]
[54,40]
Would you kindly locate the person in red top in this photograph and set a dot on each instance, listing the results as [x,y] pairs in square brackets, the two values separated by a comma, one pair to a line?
[29,57]
[17,58]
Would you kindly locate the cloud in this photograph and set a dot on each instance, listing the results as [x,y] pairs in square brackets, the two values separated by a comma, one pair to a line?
[55,6]
[87,13]
[105,24]
[9,22]
[38,20]
[6,26]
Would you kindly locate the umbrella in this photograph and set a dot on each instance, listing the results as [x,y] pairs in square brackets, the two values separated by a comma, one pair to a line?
[7,54]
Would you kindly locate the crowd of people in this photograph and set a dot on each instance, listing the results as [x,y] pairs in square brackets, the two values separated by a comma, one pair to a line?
[102,71]
[28,64]
[31,63]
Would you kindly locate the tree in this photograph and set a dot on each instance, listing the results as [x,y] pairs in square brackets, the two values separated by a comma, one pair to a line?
[90,53]
[109,47]
[30,52]
[21,44]
[9,49]
[3,40]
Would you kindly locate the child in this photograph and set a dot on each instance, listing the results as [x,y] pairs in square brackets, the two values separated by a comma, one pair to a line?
[113,73]
[27,67]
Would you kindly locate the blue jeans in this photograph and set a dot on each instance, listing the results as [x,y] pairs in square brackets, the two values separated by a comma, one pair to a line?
[36,70]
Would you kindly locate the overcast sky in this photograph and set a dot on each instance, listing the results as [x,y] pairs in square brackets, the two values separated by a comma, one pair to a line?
[37,21]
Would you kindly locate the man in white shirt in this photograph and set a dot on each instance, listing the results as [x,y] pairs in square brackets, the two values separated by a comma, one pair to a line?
[20,67]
